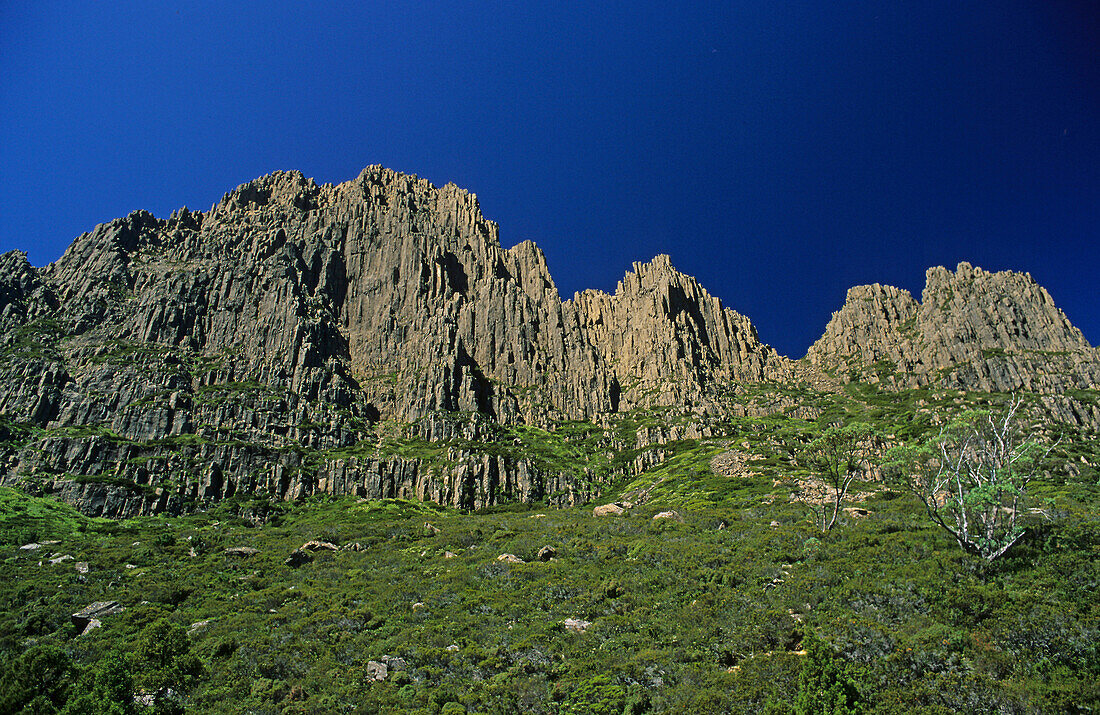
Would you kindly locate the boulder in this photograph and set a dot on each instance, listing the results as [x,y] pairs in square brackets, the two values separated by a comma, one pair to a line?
[576,625]
[316,545]
[608,510]
[89,617]
[547,552]
[198,626]
[675,516]
[510,559]
[394,663]
[377,671]
[91,626]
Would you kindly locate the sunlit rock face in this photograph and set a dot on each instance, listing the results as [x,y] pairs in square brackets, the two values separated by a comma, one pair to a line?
[971,329]
[281,342]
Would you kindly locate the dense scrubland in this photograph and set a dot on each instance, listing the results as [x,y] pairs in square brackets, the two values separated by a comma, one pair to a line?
[738,601]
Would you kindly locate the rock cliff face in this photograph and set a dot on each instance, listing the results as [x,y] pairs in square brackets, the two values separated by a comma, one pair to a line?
[971,330]
[374,338]
[669,342]
[192,357]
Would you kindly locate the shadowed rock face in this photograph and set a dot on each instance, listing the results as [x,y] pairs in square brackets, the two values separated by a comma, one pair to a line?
[166,362]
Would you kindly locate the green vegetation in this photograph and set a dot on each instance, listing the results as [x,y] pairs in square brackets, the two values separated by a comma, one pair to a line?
[24,519]
[741,604]
[838,456]
[972,478]
[35,340]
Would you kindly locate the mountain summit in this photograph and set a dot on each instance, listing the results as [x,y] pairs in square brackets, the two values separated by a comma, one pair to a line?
[300,337]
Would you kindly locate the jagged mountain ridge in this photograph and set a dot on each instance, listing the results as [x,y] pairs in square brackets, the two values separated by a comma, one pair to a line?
[202,351]
[972,329]
[388,275]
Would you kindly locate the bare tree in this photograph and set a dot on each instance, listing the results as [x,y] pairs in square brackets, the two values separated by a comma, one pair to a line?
[973,477]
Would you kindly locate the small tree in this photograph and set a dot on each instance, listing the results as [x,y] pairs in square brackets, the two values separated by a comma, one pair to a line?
[838,456]
[165,665]
[973,477]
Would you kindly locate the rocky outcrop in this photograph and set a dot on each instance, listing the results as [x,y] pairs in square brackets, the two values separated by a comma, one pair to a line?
[972,329]
[106,476]
[669,342]
[388,294]
[23,295]
[374,338]
[171,362]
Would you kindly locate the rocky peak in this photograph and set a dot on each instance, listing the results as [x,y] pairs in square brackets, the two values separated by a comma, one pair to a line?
[1003,310]
[284,189]
[23,295]
[972,328]
[662,332]
[208,350]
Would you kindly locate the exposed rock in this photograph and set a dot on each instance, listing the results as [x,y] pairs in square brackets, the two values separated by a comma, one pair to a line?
[90,626]
[675,516]
[547,552]
[449,555]
[315,546]
[608,510]
[394,663]
[198,626]
[90,617]
[733,464]
[262,347]
[510,559]
[30,547]
[575,625]
[972,329]
[663,333]
[292,312]
[242,551]
[81,566]
[376,670]
[60,559]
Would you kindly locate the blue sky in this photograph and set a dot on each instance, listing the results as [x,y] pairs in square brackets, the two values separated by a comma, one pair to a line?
[781,152]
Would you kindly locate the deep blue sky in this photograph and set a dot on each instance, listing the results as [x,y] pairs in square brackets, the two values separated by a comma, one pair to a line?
[779,151]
